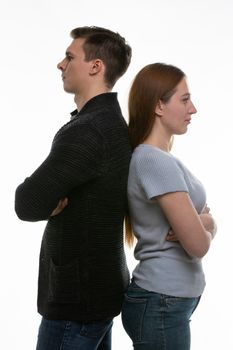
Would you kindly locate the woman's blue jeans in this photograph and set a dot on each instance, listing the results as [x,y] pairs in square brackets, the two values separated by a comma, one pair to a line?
[157,321]
[66,335]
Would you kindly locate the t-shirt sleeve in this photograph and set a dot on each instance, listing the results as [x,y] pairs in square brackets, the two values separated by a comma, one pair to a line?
[160,173]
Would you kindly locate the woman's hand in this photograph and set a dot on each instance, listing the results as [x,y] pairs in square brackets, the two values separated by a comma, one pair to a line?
[207,221]
[171,236]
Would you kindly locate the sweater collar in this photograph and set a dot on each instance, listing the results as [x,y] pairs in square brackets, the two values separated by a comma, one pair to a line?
[108,98]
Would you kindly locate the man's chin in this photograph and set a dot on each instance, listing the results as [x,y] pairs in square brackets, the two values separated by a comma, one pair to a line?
[67,89]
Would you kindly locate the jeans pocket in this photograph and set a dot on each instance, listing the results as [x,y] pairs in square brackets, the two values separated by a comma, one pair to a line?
[185,306]
[96,329]
[64,283]
[133,311]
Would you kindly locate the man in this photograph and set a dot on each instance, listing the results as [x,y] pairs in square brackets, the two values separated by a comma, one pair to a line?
[80,189]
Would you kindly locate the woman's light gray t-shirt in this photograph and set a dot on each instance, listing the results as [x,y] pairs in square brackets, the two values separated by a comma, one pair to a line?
[164,267]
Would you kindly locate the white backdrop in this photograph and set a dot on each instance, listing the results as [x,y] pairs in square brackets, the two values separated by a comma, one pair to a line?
[195,35]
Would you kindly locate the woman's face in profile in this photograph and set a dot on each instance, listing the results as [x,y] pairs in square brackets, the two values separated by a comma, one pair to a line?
[176,114]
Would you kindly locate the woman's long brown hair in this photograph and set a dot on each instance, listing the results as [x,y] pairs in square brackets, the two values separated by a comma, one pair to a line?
[153,83]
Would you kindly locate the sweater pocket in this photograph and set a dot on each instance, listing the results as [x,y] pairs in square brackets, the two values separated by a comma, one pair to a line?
[64,283]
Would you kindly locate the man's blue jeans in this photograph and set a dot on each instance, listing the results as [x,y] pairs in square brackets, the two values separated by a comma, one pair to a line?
[66,335]
[156,321]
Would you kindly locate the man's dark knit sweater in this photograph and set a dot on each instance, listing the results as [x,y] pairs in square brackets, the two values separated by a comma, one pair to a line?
[83,271]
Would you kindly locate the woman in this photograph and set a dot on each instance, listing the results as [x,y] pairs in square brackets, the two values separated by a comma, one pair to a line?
[168,214]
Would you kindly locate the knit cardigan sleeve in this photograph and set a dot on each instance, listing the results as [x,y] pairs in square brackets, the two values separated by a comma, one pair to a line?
[75,158]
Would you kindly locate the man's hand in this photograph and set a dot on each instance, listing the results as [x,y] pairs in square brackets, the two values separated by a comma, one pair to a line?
[61,205]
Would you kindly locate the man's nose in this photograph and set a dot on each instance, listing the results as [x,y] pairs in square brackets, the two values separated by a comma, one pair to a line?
[61,65]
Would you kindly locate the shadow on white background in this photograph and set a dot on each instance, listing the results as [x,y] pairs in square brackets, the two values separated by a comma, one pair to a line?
[196,36]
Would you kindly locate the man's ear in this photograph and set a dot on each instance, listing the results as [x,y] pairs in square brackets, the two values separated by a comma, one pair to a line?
[159,108]
[96,66]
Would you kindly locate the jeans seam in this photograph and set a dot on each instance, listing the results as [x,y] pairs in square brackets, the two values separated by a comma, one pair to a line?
[163,304]
[141,322]
[65,334]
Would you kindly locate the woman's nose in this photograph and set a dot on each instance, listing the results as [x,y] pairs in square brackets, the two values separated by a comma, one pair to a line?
[192,109]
